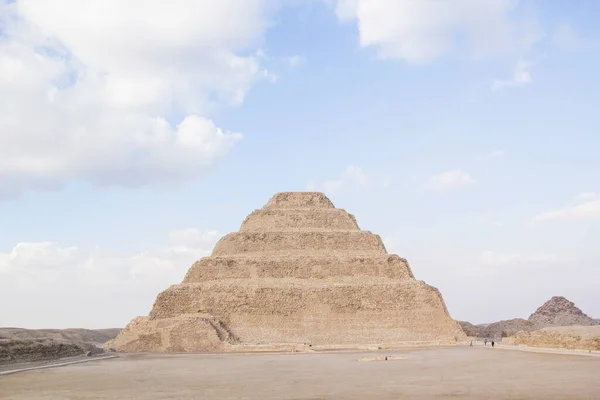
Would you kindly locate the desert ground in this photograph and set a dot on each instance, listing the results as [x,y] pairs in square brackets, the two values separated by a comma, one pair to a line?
[453,372]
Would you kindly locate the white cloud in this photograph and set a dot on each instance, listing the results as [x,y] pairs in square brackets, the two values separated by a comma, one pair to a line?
[353,175]
[289,62]
[521,77]
[192,237]
[43,255]
[91,89]
[421,31]
[586,208]
[34,274]
[270,76]
[449,180]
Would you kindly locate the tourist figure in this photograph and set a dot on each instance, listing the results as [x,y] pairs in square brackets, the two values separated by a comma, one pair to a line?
[485,342]
[492,343]
[471,345]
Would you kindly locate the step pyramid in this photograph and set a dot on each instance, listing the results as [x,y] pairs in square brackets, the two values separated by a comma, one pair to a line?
[558,311]
[299,270]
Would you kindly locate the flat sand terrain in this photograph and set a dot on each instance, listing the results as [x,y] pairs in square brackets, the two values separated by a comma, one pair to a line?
[456,372]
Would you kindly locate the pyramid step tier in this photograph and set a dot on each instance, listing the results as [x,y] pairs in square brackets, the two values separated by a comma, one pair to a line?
[299,219]
[360,312]
[312,200]
[289,296]
[282,243]
[298,267]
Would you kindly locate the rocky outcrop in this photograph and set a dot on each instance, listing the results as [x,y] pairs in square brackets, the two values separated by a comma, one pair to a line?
[563,337]
[18,345]
[558,311]
[496,330]
[502,329]
[298,271]
[96,337]
[28,350]
[472,330]
[558,323]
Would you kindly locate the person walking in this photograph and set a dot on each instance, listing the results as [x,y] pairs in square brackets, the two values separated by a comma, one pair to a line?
[492,343]
[485,342]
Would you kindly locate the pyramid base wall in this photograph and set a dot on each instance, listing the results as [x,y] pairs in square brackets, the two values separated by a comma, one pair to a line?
[187,317]
[327,328]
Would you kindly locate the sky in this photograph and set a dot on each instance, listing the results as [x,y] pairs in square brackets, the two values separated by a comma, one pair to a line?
[133,135]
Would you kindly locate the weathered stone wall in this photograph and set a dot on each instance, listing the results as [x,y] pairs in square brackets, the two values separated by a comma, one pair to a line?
[298,267]
[331,312]
[279,244]
[290,220]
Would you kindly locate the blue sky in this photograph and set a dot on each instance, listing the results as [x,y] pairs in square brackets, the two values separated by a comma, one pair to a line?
[465,134]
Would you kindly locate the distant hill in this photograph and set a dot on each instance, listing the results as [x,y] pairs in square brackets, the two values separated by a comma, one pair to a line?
[18,345]
[558,311]
[507,328]
[471,330]
[96,337]
[496,330]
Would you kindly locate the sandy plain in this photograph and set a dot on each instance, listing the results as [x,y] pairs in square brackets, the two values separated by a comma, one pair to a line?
[455,372]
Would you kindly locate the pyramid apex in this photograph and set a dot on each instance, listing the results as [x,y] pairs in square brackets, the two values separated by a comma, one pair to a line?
[299,200]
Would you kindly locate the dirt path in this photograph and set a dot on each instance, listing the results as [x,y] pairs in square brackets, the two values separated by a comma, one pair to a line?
[48,364]
[460,372]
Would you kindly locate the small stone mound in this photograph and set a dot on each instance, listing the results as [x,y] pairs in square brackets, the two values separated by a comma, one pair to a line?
[558,311]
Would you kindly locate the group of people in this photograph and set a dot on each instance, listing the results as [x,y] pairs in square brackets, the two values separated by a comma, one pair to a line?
[485,342]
